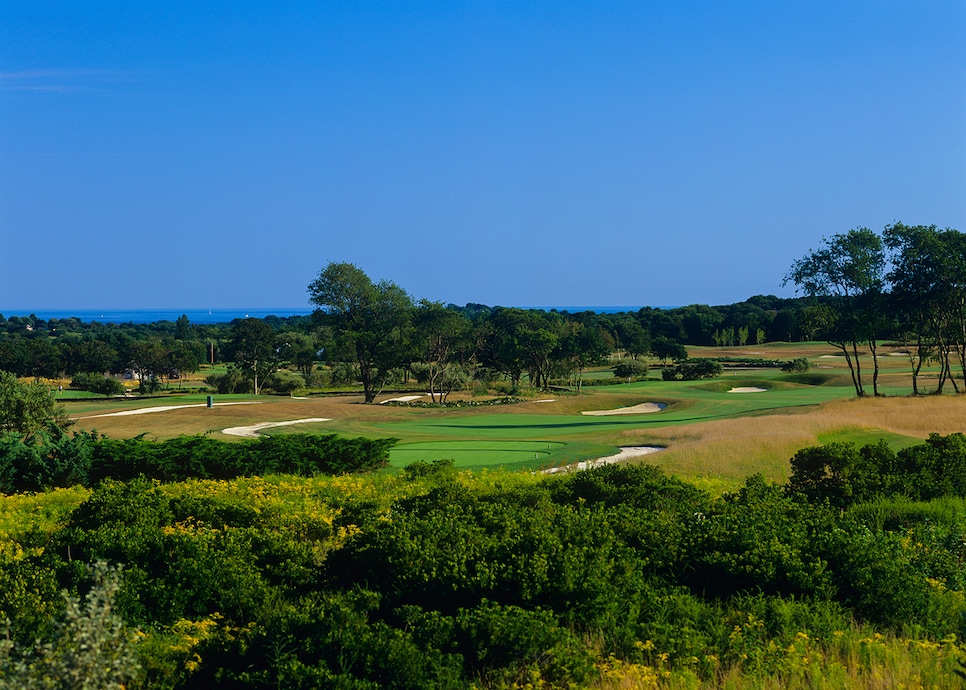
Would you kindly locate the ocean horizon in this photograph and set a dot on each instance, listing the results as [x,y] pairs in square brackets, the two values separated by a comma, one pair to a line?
[211,316]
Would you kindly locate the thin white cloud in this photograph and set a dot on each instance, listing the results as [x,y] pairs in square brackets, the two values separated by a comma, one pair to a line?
[62,80]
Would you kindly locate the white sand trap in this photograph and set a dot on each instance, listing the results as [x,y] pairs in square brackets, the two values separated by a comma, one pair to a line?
[405,398]
[252,430]
[165,408]
[829,356]
[625,453]
[544,401]
[898,354]
[643,408]
[748,389]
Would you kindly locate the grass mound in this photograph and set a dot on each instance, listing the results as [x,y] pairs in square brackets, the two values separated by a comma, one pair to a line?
[725,384]
[817,379]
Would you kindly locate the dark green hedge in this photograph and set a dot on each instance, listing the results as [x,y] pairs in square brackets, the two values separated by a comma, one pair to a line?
[56,459]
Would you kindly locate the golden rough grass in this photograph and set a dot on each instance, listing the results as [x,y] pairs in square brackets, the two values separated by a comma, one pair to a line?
[852,661]
[736,448]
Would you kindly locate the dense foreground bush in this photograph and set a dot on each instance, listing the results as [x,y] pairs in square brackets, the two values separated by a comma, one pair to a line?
[615,577]
[844,475]
[56,459]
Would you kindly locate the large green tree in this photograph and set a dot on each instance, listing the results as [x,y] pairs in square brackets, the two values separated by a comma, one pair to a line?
[441,341]
[848,271]
[370,322]
[928,279]
[582,345]
[252,347]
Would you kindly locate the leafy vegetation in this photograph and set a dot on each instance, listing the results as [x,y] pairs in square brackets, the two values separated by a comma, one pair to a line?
[27,408]
[439,578]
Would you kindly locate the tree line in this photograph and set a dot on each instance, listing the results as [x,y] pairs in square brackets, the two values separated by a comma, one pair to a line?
[375,333]
[904,287]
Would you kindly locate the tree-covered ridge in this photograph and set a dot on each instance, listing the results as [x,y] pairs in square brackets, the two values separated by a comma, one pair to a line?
[435,578]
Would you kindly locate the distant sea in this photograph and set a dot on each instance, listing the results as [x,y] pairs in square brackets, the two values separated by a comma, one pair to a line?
[152,315]
[206,316]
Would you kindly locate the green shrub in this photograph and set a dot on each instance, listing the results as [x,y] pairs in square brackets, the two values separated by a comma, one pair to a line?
[437,469]
[696,369]
[231,381]
[630,368]
[284,382]
[692,370]
[45,460]
[799,365]
[97,383]
[843,475]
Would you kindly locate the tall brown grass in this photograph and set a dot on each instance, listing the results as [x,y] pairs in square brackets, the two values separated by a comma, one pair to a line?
[736,448]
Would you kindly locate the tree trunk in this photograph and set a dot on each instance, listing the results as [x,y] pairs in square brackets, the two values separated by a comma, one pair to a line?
[365,375]
[874,348]
[855,369]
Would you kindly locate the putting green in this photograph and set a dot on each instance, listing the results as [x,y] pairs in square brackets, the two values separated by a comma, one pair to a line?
[478,454]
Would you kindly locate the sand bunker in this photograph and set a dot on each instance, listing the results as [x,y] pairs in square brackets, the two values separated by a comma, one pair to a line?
[748,389]
[544,401]
[625,454]
[643,408]
[252,430]
[405,398]
[149,410]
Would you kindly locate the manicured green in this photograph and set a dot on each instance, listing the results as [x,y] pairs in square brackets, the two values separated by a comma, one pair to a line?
[478,454]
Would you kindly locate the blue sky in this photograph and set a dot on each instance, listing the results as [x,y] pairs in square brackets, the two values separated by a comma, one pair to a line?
[219,154]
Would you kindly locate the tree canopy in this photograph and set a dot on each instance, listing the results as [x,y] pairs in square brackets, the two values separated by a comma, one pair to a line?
[26,408]
[370,322]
